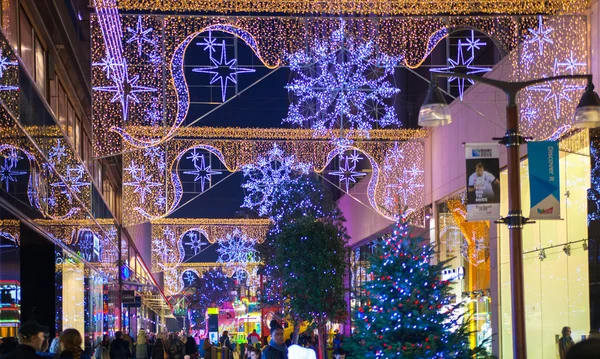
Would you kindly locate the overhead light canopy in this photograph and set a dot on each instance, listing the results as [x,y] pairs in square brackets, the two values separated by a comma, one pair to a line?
[434,111]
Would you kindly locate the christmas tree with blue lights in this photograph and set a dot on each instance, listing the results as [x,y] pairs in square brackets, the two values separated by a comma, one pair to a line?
[407,310]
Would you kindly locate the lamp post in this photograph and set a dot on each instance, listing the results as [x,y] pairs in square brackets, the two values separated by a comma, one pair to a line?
[435,112]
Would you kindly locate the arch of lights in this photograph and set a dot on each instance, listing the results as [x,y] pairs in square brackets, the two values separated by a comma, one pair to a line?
[138,59]
[168,249]
[396,158]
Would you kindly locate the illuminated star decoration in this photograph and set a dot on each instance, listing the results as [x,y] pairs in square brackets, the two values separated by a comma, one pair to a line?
[4,64]
[342,89]
[209,43]
[571,64]
[125,89]
[223,70]
[201,172]
[142,184]
[72,180]
[14,157]
[195,241]
[463,63]
[347,172]
[139,35]
[236,250]
[133,169]
[267,176]
[556,90]
[156,156]
[108,65]
[406,185]
[540,35]
[8,173]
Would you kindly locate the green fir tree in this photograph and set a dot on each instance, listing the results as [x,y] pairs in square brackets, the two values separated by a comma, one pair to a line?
[407,311]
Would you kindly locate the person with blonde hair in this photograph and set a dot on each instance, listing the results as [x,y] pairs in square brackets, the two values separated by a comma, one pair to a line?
[70,345]
[141,346]
[101,353]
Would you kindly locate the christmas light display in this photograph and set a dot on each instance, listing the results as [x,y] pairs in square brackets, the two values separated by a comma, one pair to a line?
[551,47]
[266,176]
[8,173]
[139,35]
[218,65]
[193,239]
[236,250]
[342,84]
[471,44]
[475,247]
[347,171]
[142,183]
[377,7]
[201,172]
[271,38]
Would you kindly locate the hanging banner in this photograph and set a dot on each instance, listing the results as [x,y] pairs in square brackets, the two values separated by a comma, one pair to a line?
[483,184]
[544,180]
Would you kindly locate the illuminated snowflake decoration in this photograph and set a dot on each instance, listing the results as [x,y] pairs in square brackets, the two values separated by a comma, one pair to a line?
[73,181]
[464,63]
[236,250]
[162,247]
[189,277]
[139,35]
[142,183]
[57,152]
[156,155]
[108,65]
[195,241]
[342,84]
[14,157]
[223,70]
[5,63]
[347,172]
[571,64]
[201,172]
[267,176]
[541,35]
[8,173]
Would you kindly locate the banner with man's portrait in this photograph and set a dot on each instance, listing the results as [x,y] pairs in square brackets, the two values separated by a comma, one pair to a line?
[483,181]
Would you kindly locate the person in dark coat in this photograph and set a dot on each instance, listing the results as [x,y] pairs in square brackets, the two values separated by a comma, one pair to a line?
[191,348]
[158,350]
[276,348]
[31,339]
[119,348]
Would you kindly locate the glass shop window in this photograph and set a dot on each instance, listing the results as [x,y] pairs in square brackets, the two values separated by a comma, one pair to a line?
[10,21]
[40,66]
[26,46]
[62,106]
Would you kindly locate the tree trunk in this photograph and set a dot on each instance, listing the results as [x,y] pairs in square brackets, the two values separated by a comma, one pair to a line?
[322,340]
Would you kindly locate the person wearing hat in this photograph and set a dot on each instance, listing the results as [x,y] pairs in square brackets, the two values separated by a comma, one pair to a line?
[31,339]
[276,348]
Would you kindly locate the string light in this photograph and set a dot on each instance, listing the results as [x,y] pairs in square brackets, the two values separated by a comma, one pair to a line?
[475,249]
[237,251]
[377,7]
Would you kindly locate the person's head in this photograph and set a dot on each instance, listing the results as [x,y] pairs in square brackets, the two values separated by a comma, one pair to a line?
[479,169]
[70,341]
[33,335]
[566,331]
[277,332]
[142,339]
[105,338]
[254,353]
[225,333]
[254,331]
[587,349]
[119,335]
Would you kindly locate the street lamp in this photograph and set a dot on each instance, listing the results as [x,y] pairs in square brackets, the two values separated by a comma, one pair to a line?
[435,112]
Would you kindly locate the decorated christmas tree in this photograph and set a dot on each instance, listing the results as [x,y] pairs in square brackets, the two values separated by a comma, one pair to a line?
[407,310]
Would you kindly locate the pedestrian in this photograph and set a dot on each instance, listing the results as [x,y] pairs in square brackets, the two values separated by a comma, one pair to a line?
[224,340]
[31,340]
[55,345]
[253,338]
[276,348]
[141,346]
[105,341]
[587,349]
[70,344]
[101,353]
[191,348]
[158,350]
[177,349]
[565,342]
[254,353]
[119,348]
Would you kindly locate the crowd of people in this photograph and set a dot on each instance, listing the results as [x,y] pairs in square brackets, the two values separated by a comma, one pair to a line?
[33,343]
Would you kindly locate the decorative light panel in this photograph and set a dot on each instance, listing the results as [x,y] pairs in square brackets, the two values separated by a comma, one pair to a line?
[362,7]
[138,74]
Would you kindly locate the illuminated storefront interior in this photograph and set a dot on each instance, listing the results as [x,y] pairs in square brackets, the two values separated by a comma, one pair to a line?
[556,273]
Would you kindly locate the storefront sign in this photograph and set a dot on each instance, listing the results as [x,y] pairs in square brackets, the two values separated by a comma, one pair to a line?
[544,180]
[483,183]
[452,274]
[128,296]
